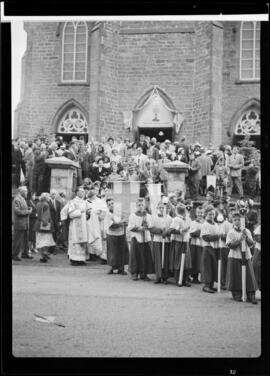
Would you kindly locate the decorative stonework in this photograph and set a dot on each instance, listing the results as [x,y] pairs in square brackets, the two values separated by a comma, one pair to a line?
[73,122]
[249,123]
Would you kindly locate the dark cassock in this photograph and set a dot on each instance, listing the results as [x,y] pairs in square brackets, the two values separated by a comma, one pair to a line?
[210,234]
[117,248]
[195,245]
[140,262]
[225,227]
[180,244]
[234,270]
[161,238]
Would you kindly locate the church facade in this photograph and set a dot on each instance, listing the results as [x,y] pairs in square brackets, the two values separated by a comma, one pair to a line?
[159,78]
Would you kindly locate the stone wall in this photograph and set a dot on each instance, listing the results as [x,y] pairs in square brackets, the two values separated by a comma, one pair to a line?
[202,88]
[44,93]
[157,53]
[195,63]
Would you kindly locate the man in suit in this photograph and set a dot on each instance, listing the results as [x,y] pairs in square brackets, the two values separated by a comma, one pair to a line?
[140,158]
[100,172]
[21,214]
[235,164]
[55,209]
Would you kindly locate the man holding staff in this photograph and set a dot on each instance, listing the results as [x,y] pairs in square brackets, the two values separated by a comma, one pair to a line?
[235,238]
[196,244]
[180,252]
[161,243]
[140,262]
[117,248]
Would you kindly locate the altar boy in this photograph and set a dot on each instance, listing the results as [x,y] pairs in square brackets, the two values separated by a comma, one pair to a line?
[179,244]
[140,262]
[210,234]
[234,273]
[161,235]
[196,244]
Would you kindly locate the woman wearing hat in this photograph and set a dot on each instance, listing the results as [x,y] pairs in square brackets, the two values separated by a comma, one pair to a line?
[44,227]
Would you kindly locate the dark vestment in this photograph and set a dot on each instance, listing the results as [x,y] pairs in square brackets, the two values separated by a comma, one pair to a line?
[157,257]
[117,251]
[140,258]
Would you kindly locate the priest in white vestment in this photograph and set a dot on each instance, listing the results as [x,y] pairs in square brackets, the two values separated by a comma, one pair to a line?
[78,209]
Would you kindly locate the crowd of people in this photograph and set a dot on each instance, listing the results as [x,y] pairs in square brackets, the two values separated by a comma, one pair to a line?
[88,227]
[120,159]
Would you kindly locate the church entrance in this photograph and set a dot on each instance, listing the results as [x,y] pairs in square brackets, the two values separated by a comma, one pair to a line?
[161,134]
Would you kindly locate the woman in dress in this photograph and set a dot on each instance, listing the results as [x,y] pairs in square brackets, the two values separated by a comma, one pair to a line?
[44,227]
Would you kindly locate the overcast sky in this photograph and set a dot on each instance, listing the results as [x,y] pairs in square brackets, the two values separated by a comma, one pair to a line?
[18,45]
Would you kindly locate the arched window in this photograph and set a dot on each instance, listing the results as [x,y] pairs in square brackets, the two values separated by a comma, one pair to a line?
[249,124]
[250,51]
[73,122]
[74,52]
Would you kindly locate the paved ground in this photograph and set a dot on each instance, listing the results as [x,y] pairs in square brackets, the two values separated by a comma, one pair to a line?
[112,316]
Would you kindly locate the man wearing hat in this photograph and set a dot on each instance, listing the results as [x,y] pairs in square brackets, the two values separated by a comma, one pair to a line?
[234,242]
[206,166]
[21,212]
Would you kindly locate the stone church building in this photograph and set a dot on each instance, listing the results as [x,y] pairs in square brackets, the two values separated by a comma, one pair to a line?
[160,78]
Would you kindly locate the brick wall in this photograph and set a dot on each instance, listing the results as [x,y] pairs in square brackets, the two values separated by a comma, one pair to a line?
[235,94]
